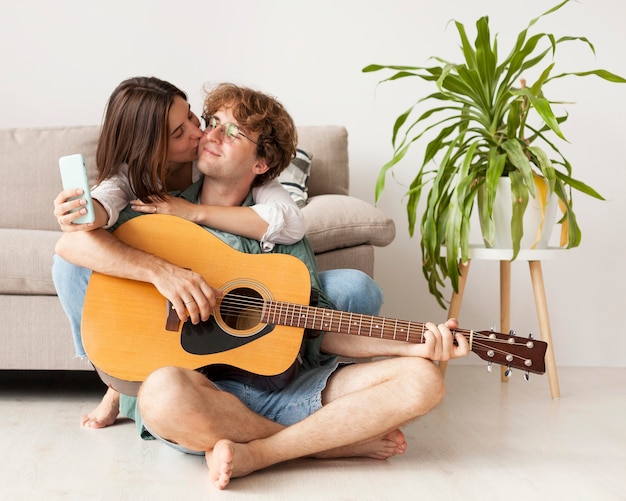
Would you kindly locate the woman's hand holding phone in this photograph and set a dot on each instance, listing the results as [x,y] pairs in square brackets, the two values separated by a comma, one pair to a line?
[73,207]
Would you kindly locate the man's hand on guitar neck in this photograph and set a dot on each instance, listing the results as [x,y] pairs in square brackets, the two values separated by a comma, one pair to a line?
[439,344]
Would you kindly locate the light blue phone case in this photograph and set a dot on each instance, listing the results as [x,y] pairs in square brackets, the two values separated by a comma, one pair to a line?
[74,175]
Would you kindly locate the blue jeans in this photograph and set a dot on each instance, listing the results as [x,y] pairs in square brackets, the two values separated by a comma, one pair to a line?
[298,400]
[70,282]
[349,290]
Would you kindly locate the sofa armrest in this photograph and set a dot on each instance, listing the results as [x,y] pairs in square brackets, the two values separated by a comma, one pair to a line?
[340,221]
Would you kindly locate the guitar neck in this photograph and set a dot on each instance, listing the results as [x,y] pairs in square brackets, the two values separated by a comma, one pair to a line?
[357,324]
[504,349]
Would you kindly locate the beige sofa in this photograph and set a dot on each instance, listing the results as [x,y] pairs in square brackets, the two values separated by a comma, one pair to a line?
[35,333]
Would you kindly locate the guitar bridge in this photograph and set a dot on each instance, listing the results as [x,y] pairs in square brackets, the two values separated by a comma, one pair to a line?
[172,322]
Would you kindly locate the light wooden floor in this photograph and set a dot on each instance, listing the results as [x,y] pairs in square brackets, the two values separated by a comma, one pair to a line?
[487,440]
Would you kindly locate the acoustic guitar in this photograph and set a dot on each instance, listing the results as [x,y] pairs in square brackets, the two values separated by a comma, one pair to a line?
[129,329]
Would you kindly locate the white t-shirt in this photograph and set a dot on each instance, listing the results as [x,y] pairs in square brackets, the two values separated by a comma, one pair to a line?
[273,204]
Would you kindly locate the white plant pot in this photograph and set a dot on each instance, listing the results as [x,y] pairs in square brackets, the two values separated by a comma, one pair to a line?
[538,221]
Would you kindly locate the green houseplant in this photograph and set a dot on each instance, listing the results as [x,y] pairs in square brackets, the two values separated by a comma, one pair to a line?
[485,123]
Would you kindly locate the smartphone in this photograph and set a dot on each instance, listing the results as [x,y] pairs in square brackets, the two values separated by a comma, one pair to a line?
[74,175]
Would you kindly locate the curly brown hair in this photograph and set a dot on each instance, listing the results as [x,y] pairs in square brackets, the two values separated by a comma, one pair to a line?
[260,113]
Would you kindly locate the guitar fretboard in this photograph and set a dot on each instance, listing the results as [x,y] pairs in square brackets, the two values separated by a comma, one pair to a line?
[322,319]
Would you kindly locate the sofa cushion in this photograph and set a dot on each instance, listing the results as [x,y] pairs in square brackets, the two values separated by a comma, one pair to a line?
[338,221]
[29,171]
[296,177]
[26,261]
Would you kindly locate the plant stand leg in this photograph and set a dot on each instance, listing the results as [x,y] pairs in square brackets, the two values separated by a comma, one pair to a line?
[455,302]
[505,305]
[536,276]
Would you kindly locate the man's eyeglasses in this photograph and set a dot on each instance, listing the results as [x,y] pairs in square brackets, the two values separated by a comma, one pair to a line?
[230,131]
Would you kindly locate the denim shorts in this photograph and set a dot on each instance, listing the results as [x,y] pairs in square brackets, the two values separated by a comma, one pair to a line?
[298,400]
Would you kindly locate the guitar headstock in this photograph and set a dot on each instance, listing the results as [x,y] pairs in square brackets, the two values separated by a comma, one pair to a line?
[512,351]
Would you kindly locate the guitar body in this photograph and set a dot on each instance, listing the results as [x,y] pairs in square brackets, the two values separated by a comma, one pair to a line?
[127,326]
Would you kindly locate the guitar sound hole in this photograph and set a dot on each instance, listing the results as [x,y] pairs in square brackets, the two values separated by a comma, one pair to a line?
[241,308]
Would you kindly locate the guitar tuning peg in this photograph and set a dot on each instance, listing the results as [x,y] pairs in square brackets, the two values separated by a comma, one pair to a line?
[507,372]
[489,367]
[530,336]
[492,328]
[526,376]
[512,332]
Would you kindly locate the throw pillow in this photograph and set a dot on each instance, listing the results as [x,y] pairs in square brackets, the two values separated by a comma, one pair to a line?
[296,176]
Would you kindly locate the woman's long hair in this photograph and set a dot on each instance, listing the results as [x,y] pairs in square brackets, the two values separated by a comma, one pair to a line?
[135,131]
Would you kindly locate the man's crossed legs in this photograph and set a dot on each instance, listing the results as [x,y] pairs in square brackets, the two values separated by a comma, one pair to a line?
[363,406]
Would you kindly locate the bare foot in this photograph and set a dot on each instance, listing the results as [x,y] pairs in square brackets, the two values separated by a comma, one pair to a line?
[390,445]
[220,463]
[105,414]
[382,448]
[231,460]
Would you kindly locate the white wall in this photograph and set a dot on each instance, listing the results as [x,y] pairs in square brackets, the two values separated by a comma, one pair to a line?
[61,59]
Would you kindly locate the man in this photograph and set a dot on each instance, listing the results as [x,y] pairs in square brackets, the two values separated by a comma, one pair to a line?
[327,410]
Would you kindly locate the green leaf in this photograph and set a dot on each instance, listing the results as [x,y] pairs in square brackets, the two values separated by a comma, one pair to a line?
[487,193]
[380,181]
[578,185]
[486,59]
[542,106]
[519,201]
[574,234]
[604,74]
[544,164]
[518,158]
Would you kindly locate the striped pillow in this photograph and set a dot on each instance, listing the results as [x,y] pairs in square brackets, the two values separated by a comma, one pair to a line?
[296,176]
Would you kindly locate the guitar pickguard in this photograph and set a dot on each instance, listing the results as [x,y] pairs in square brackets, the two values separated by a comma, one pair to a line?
[207,338]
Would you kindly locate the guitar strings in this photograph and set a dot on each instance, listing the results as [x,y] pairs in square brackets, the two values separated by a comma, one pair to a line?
[251,308]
